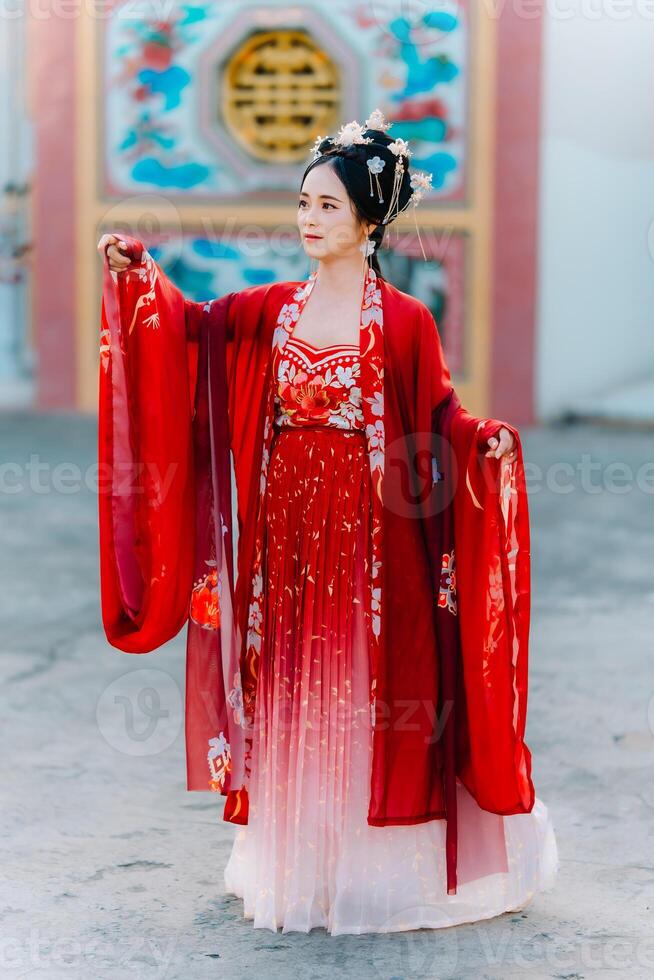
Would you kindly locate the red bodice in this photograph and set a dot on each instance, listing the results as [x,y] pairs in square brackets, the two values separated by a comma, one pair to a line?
[317,385]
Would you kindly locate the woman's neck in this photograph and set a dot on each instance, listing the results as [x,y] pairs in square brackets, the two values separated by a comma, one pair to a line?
[341,275]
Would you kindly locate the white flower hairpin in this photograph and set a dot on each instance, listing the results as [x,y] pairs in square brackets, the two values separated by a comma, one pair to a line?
[375,166]
[400,148]
[315,149]
[377,120]
[351,133]
[420,182]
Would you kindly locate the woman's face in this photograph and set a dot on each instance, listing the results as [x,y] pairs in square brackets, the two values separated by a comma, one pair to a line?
[326,217]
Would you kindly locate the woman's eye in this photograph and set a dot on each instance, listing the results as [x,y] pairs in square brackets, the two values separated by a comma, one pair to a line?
[325,204]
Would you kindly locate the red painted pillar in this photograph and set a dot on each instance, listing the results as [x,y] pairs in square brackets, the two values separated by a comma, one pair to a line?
[514,241]
[51,58]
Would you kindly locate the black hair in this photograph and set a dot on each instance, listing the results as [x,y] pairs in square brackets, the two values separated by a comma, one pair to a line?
[350,165]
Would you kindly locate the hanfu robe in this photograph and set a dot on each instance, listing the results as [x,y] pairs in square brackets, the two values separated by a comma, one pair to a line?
[185,414]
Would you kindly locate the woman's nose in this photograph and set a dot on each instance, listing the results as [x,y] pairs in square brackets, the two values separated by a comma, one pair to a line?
[310,215]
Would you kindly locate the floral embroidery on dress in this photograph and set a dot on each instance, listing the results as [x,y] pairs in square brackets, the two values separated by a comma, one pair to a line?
[447,590]
[205,600]
[235,699]
[255,616]
[372,381]
[219,758]
[307,399]
[327,393]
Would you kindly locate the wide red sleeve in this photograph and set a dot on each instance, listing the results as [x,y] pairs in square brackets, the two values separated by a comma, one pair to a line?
[492,536]
[148,364]
[485,586]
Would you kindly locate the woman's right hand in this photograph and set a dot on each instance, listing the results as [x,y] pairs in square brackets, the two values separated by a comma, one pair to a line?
[114,248]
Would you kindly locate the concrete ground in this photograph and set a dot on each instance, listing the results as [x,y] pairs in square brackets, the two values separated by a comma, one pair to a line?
[110,869]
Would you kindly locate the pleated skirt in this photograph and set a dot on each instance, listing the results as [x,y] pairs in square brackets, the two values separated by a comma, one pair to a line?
[307,857]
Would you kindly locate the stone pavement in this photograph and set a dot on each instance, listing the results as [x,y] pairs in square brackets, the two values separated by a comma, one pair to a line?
[110,869]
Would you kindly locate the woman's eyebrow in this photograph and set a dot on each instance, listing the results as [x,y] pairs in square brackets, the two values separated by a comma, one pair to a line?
[304,194]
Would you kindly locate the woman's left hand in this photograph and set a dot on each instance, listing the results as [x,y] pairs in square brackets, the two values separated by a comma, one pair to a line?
[504,446]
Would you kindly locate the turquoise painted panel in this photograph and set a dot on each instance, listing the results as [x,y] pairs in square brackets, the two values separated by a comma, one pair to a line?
[161,111]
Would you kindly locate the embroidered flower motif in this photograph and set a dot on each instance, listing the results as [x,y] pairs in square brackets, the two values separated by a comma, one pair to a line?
[376,610]
[255,616]
[307,399]
[372,293]
[346,377]
[235,699]
[375,434]
[350,410]
[219,758]
[205,601]
[447,590]
[255,619]
[289,314]
[377,403]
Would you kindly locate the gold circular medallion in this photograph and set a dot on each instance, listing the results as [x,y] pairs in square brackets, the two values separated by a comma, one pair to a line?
[280,90]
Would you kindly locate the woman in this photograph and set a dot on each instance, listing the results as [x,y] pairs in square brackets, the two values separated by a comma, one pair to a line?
[359,693]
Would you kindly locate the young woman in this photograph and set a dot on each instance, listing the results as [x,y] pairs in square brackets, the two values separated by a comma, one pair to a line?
[358,690]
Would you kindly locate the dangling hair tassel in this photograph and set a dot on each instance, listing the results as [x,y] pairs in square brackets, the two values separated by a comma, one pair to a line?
[395,196]
[379,190]
[418,234]
[375,166]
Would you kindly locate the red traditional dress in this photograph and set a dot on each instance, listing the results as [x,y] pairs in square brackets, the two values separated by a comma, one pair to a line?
[381,784]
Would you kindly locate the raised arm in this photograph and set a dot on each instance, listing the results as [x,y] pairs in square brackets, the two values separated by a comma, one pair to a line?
[145,450]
